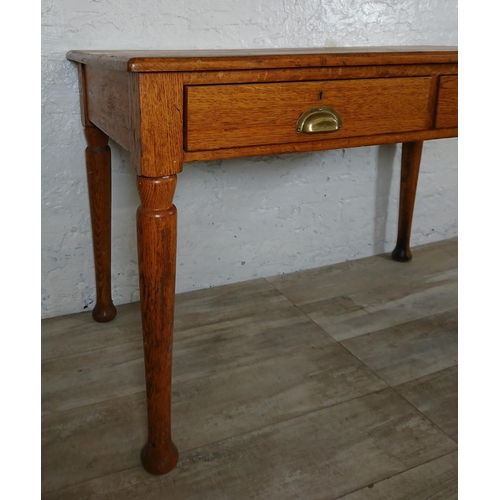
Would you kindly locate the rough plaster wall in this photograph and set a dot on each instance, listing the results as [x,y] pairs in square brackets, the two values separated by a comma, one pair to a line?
[245,218]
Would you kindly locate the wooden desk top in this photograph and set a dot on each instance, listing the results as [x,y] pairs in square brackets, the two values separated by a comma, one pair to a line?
[144,61]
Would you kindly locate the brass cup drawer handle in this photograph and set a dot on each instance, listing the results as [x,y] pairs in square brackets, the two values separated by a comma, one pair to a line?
[319,119]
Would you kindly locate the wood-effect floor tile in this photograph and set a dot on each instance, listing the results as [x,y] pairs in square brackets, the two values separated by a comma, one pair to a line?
[227,380]
[266,402]
[79,333]
[78,380]
[92,441]
[411,350]
[114,368]
[436,396]
[320,455]
[375,309]
[351,277]
[435,480]
[226,303]
[285,386]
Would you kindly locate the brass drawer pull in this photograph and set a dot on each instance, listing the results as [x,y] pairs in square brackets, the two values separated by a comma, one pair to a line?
[319,119]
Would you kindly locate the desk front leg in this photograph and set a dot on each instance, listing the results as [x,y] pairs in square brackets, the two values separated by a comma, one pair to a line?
[410,166]
[157,241]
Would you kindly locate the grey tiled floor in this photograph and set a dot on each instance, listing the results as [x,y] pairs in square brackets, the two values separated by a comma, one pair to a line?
[338,382]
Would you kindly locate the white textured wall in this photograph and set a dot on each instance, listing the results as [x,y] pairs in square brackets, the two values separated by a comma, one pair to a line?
[245,218]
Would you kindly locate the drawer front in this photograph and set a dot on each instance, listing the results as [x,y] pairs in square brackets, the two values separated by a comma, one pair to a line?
[447,109]
[239,115]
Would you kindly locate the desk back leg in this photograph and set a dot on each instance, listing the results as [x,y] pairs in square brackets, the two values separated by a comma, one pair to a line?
[157,248]
[410,166]
[98,159]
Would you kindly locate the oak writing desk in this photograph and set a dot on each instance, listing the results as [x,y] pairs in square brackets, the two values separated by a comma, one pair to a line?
[171,107]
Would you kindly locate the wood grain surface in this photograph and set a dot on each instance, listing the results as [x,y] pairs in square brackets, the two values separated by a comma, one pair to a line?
[321,73]
[331,143]
[226,116]
[98,162]
[447,111]
[157,251]
[210,60]
[156,103]
[108,103]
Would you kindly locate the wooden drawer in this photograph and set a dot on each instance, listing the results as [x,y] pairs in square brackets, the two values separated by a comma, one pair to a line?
[447,110]
[239,115]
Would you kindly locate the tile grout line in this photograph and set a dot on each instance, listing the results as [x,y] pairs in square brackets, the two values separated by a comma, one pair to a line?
[374,373]
[303,313]
[409,402]
[339,342]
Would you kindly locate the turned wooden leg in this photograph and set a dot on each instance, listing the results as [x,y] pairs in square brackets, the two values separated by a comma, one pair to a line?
[410,166]
[157,241]
[98,157]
